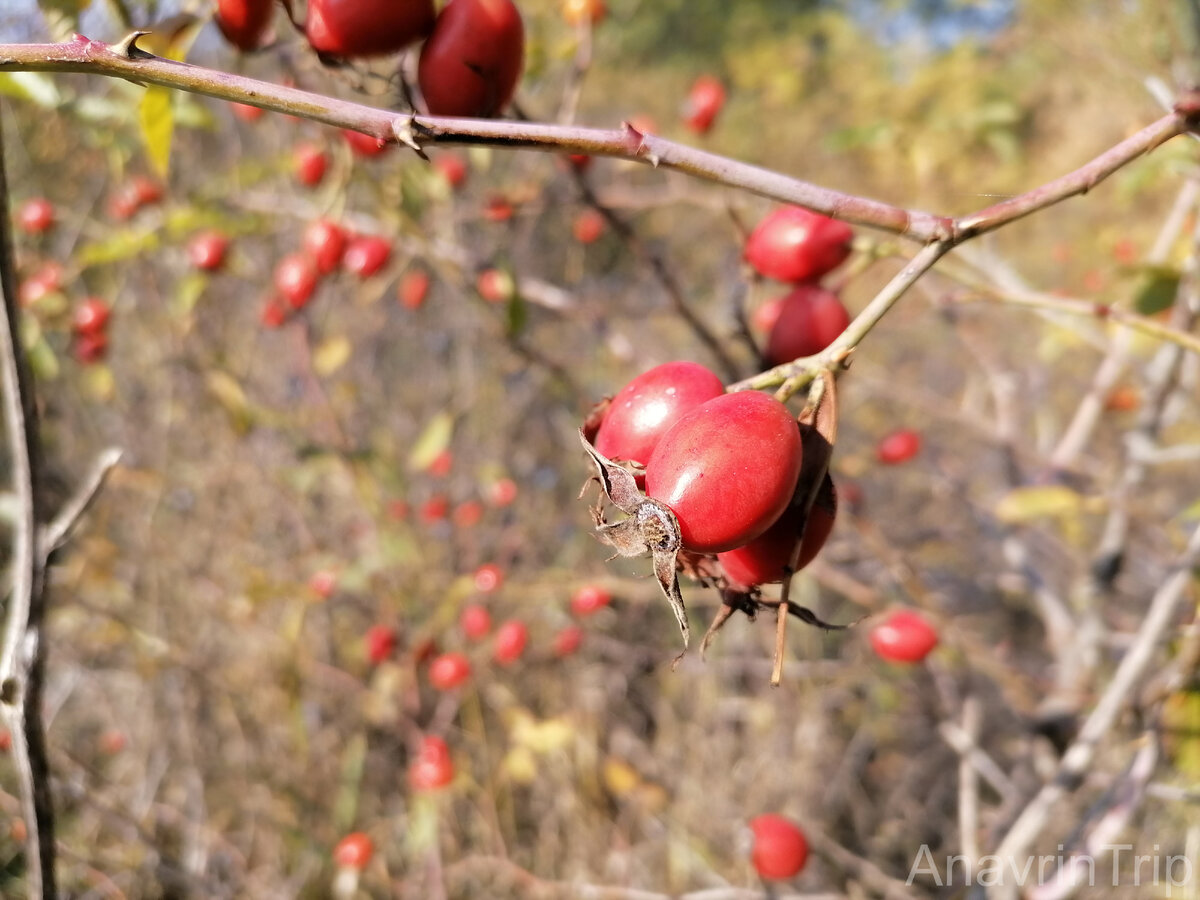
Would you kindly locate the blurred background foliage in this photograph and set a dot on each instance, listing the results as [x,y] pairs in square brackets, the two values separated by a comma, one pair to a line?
[216,726]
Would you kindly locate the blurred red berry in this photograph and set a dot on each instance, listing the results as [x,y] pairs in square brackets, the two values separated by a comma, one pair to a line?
[246,112]
[440,465]
[448,671]
[903,636]
[353,851]
[498,209]
[35,215]
[510,641]
[780,848]
[898,447]
[206,250]
[502,492]
[494,285]
[309,163]
[296,279]
[325,242]
[433,768]
[91,317]
[365,256]
[468,514]
[704,102]
[91,348]
[364,144]
[488,578]
[381,643]
[323,583]
[435,508]
[273,313]
[589,599]
[413,288]
[475,622]
[568,640]
[451,167]
[588,226]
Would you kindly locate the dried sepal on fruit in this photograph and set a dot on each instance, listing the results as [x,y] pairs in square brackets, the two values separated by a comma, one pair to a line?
[651,528]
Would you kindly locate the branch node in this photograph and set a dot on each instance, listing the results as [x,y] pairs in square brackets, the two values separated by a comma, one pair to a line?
[404,130]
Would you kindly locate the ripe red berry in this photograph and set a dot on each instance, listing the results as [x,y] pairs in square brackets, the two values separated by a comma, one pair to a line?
[145,190]
[475,622]
[502,492]
[244,23]
[91,348]
[325,242]
[365,256]
[704,102]
[364,144]
[644,409]
[246,112]
[793,244]
[309,162]
[45,280]
[366,27]
[433,768]
[273,313]
[206,250]
[899,446]
[767,314]
[441,464]
[139,191]
[580,161]
[322,583]
[434,509]
[588,226]
[903,636]
[510,641]
[451,167]
[727,469]
[488,578]
[468,514]
[589,599]
[91,316]
[810,319]
[380,641]
[578,11]
[112,742]
[498,209]
[780,848]
[568,640]
[495,286]
[766,558]
[413,288]
[353,851]
[36,215]
[448,671]
[472,61]
[296,279]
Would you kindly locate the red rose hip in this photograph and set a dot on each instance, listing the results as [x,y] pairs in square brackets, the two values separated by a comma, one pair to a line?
[810,319]
[904,636]
[727,469]
[793,244]
[471,63]
[780,848]
[366,27]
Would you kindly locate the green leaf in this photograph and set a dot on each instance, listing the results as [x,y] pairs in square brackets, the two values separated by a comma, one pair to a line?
[188,292]
[121,246]
[433,440]
[1026,504]
[33,87]
[158,124]
[231,396]
[1157,291]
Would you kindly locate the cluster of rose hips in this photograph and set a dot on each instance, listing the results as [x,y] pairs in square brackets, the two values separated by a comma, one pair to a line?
[470,61]
[799,247]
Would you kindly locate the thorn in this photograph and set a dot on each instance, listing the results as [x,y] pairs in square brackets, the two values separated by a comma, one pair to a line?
[127,48]
[402,128]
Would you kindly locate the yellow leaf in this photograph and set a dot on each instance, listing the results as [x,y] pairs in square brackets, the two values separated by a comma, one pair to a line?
[432,441]
[1029,503]
[331,354]
[520,765]
[619,777]
[158,123]
[231,396]
[543,736]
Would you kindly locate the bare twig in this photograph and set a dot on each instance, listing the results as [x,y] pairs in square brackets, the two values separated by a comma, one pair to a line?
[56,533]
[22,661]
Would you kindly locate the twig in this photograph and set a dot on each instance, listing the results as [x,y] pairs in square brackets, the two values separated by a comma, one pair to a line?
[22,661]
[56,533]
[1078,758]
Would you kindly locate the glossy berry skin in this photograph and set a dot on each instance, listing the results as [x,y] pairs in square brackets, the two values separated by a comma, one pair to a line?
[448,671]
[91,348]
[488,578]
[904,636]
[766,558]
[36,216]
[510,641]
[325,242]
[727,469]
[206,250]
[471,63]
[588,226]
[568,641]
[780,848]
[413,288]
[366,27]
[244,23]
[296,279]
[642,411]
[381,643]
[810,319]
[475,622]
[898,447]
[589,599]
[91,317]
[353,851]
[792,244]
[365,256]
[501,493]
[309,163]
[704,102]
[451,167]
[433,768]
[364,144]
